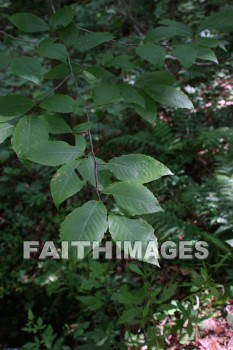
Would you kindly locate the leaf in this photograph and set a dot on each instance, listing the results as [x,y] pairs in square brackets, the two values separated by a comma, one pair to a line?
[29,23]
[146,309]
[29,131]
[130,94]
[58,103]
[221,21]
[14,105]
[154,54]
[160,77]
[167,293]
[69,34]
[207,42]
[134,198]
[133,267]
[65,183]
[169,96]
[122,62]
[204,53]
[5,131]
[60,71]
[52,51]
[28,68]
[172,29]
[83,127]
[80,142]
[6,119]
[149,113]
[130,316]
[4,60]
[88,171]
[62,17]
[126,297]
[105,93]
[137,168]
[53,153]
[55,124]
[149,116]
[186,54]
[89,41]
[87,223]
[123,230]
[182,27]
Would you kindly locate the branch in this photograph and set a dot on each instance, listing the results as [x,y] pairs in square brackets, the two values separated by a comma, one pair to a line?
[15,38]
[89,131]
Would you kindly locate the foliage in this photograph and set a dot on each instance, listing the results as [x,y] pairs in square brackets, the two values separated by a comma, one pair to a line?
[124,107]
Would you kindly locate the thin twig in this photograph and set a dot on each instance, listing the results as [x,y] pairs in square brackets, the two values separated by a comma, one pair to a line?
[52,6]
[84,30]
[89,132]
[15,38]
[88,117]
[54,89]
[113,40]
[87,114]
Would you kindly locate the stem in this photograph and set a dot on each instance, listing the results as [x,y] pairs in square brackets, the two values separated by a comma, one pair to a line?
[52,6]
[89,131]
[18,39]
[54,89]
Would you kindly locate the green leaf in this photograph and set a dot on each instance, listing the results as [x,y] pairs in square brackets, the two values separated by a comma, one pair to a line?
[69,34]
[221,21]
[186,54]
[65,183]
[150,79]
[89,41]
[149,116]
[149,113]
[171,30]
[122,62]
[207,42]
[87,223]
[169,96]
[83,127]
[206,54]
[52,51]
[58,103]
[29,23]
[5,60]
[62,17]
[134,198]
[137,168]
[60,71]
[184,28]
[14,105]
[54,153]
[167,293]
[146,309]
[154,54]
[88,171]
[105,93]
[55,124]
[29,131]
[6,119]
[130,316]
[123,229]
[131,95]
[98,72]
[80,142]
[28,68]
[5,131]
[133,267]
